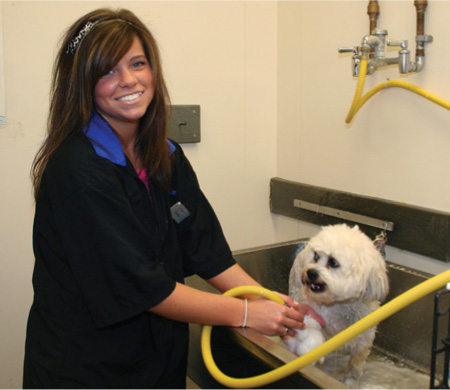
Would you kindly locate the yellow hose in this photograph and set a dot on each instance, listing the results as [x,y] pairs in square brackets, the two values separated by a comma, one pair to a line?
[359,89]
[329,346]
[359,101]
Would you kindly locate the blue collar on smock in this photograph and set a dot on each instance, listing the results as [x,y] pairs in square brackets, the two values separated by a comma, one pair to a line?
[106,142]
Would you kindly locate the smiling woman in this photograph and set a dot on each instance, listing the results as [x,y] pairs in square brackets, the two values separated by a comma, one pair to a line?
[110,306]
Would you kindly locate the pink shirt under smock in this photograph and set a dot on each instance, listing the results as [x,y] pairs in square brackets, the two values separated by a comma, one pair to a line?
[142,173]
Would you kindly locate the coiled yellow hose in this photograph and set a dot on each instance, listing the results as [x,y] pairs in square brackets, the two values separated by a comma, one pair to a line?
[329,346]
[359,101]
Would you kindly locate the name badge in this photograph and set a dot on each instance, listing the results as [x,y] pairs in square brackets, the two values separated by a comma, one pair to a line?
[179,212]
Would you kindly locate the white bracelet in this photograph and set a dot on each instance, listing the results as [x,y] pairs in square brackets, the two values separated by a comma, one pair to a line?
[244,324]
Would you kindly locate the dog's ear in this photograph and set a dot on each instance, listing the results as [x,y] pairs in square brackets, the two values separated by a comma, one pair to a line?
[295,276]
[378,284]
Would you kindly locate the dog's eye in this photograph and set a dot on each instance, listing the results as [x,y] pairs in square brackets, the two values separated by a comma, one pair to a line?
[316,257]
[332,263]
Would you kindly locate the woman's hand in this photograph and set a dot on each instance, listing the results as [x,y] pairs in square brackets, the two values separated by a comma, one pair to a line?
[273,319]
[280,320]
[288,300]
[305,310]
[267,317]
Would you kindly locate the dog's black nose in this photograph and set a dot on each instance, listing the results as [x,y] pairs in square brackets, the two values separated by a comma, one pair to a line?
[312,275]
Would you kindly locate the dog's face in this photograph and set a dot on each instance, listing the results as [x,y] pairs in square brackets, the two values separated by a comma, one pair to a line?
[337,265]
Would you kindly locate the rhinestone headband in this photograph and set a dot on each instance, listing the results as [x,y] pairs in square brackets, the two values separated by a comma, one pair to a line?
[75,41]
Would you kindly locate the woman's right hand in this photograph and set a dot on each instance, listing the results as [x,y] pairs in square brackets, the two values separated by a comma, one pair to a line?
[273,319]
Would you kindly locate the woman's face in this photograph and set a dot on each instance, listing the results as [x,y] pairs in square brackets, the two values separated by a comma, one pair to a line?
[123,94]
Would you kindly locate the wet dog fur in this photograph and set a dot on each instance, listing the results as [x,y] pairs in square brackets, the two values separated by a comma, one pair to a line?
[342,276]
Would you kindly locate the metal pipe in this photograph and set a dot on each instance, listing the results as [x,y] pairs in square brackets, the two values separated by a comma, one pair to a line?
[373,10]
[420,5]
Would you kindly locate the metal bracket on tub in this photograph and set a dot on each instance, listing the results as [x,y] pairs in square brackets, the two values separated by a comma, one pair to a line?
[358,218]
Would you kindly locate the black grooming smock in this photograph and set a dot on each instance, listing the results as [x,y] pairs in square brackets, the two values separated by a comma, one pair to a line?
[107,249]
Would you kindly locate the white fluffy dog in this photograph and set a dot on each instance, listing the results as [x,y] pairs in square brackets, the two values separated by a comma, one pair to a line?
[342,276]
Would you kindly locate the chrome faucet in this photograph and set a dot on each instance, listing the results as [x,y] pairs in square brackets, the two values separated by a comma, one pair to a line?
[376,44]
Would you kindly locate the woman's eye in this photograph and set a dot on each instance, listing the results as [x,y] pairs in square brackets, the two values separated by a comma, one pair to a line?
[139,64]
[333,263]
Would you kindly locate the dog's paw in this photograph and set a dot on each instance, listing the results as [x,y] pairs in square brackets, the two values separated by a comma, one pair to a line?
[306,339]
[299,348]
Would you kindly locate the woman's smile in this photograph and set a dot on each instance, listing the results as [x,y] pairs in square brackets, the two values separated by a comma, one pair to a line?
[130,98]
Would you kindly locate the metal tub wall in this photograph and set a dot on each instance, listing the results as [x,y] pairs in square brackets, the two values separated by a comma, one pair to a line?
[406,336]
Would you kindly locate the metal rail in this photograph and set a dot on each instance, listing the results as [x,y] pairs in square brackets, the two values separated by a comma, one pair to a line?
[332,212]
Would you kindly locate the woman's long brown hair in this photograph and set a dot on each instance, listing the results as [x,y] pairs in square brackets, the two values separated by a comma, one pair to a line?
[75,76]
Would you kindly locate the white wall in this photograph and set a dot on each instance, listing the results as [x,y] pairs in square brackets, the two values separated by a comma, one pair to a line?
[274,94]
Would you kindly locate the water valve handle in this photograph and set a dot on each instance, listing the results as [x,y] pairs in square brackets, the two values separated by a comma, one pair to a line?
[349,49]
[402,44]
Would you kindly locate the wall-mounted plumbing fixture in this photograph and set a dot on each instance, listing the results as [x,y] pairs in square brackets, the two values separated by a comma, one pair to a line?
[371,55]
[377,41]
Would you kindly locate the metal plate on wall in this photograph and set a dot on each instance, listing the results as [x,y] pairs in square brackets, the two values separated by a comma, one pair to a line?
[184,123]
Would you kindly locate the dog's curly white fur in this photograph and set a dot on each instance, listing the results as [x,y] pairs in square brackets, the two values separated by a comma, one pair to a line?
[342,276]
[306,339]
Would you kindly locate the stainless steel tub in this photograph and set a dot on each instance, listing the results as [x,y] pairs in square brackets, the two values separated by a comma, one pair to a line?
[400,357]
